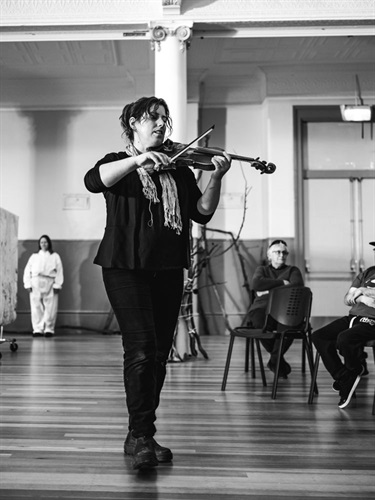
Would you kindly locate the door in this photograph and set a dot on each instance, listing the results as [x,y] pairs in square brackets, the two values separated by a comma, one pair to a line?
[337,202]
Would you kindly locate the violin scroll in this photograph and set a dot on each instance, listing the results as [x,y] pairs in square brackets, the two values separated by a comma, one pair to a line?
[263,166]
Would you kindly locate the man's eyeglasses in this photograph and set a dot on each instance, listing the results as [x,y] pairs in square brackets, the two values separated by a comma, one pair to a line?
[281,252]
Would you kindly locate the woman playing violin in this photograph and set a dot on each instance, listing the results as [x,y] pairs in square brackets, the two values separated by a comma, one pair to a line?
[143,253]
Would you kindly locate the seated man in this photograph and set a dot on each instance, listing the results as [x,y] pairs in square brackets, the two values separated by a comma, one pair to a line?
[348,335]
[275,274]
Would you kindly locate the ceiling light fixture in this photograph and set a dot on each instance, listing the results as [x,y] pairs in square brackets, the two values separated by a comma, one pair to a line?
[357,112]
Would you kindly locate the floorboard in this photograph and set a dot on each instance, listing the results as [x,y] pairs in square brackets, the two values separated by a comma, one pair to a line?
[63,422]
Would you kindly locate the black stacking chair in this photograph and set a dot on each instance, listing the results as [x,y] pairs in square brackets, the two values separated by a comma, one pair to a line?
[370,343]
[289,307]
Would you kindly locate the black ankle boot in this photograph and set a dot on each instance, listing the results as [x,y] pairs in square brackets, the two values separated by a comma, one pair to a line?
[163,454]
[144,455]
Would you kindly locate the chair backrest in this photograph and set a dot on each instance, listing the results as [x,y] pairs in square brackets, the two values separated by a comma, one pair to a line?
[290,307]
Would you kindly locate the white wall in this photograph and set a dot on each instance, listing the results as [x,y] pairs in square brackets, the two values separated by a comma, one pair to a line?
[281,187]
[16,169]
[45,154]
[264,131]
[44,157]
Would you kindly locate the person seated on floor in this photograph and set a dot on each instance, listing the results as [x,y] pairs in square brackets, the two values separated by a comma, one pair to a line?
[276,274]
[348,336]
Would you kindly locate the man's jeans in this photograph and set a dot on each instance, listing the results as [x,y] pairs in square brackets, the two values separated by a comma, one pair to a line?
[146,305]
[346,335]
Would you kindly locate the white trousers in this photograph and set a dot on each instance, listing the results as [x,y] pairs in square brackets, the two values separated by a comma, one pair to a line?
[43,303]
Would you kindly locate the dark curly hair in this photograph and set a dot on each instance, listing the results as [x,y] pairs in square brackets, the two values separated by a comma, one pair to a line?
[139,108]
[50,249]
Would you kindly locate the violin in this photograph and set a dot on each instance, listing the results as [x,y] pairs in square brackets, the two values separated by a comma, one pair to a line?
[200,157]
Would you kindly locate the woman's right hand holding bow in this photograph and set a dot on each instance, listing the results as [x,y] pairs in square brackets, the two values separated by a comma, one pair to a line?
[153,161]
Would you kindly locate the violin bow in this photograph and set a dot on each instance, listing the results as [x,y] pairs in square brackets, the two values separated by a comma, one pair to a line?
[173,158]
[266,168]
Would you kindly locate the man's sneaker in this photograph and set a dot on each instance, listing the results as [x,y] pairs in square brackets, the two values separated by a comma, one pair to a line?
[336,386]
[363,359]
[348,386]
[365,369]
[162,453]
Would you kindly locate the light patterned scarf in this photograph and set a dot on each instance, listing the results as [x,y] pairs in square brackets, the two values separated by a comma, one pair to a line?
[171,205]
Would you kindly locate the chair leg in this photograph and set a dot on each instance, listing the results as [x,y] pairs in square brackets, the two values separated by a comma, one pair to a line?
[276,377]
[247,353]
[261,366]
[229,355]
[313,378]
[252,356]
[303,367]
[310,358]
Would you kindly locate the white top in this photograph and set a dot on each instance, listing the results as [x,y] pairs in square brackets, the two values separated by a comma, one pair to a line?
[44,264]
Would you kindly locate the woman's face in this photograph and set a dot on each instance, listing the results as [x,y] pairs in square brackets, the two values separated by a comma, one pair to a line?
[149,131]
[43,244]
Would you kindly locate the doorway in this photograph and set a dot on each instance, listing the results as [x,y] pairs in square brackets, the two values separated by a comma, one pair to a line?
[336,204]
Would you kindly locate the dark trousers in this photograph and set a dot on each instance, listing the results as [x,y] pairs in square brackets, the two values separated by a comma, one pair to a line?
[342,336]
[146,305]
[257,318]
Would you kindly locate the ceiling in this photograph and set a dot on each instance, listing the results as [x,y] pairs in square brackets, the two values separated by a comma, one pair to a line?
[221,70]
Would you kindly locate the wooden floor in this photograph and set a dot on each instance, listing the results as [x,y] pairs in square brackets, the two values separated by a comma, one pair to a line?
[63,422]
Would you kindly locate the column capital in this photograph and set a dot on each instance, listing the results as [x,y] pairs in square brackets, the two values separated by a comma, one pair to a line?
[160,31]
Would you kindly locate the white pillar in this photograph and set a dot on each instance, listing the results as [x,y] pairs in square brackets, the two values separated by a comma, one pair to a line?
[170,46]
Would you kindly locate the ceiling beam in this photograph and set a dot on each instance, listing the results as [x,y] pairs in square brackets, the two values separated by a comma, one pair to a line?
[141,32]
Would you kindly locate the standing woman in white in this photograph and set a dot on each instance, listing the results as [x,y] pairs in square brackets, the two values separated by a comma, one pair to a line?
[43,278]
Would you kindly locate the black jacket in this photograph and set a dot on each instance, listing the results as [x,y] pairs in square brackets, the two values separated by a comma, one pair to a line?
[135,236]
